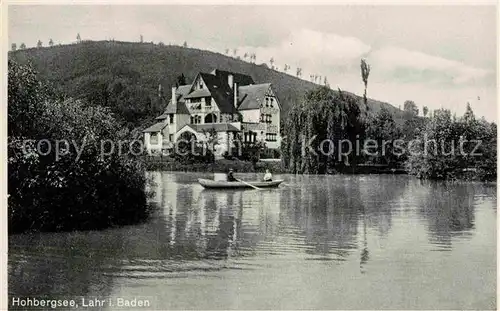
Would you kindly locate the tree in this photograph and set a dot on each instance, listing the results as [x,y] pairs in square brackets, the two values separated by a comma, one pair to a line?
[425,110]
[13,47]
[324,115]
[365,73]
[39,44]
[51,43]
[299,71]
[185,45]
[235,51]
[325,82]
[410,108]
[271,61]
[413,124]
[41,184]
[211,143]
[469,114]
[450,143]
[382,128]
[245,56]
[141,39]
[227,51]
[22,46]
[79,39]
[161,43]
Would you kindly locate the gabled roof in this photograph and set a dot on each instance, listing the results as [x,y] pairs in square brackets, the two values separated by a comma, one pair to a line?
[182,90]
[239,78]
[180,106]
[251,96]
[155,127]
[198,93]
[220,91]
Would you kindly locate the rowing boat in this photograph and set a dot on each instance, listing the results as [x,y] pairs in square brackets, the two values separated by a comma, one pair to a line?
[214,184]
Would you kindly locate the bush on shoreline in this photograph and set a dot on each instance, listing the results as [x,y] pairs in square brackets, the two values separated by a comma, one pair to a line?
[75,188]
[457,149]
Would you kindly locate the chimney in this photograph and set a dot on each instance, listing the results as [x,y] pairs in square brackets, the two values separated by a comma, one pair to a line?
[235,91]
[160,91]
[174,95]
[230,80]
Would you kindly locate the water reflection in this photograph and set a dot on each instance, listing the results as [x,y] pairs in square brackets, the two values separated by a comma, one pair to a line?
[448,210]
[356,223]
[62,265]
[318,216]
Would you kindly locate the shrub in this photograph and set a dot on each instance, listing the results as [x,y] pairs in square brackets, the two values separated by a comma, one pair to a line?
[77,187]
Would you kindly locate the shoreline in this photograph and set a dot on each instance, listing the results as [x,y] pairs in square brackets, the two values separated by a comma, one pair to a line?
[223,166]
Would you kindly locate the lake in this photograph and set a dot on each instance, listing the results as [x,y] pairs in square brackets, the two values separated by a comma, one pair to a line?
[316,242]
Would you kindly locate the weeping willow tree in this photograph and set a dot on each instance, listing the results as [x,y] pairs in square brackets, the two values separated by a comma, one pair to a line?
[315,128]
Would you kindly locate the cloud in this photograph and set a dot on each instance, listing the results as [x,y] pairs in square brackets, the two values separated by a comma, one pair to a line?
[311,49]
[397,74]
[413,66]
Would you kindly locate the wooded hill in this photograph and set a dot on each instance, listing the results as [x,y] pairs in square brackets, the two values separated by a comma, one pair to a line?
[125,76]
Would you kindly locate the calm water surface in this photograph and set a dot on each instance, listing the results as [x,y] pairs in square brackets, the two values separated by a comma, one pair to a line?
[317,242]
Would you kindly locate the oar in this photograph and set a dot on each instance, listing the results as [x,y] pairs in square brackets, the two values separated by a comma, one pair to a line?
[248,184]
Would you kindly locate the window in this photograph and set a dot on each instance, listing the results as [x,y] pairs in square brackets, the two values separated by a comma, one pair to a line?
[267,102]
[267,118]
[208,101]
[201,85]
[195,100]
[272,99]
[271,137]
[250,137]
[153,138]
[262,116]
[171,118]
[195,119]
[171,137]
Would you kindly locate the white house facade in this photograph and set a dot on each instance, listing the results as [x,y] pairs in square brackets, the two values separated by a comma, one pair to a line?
[227,103]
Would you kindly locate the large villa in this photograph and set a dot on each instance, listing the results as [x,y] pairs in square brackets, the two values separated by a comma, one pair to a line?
[229,104]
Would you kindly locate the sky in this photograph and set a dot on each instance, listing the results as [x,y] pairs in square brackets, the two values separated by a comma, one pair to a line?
[439,56]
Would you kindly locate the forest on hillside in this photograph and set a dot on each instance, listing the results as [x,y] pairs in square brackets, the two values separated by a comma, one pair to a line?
[124,76]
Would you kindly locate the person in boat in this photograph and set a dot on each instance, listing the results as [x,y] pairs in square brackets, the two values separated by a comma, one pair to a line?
[230,176]
[268,176]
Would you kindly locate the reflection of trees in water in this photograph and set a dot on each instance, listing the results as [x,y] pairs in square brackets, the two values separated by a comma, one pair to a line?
[448,209]
[332,210]
[323,213]
[56,265]
[318,210]
[378,195]
[202,225]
